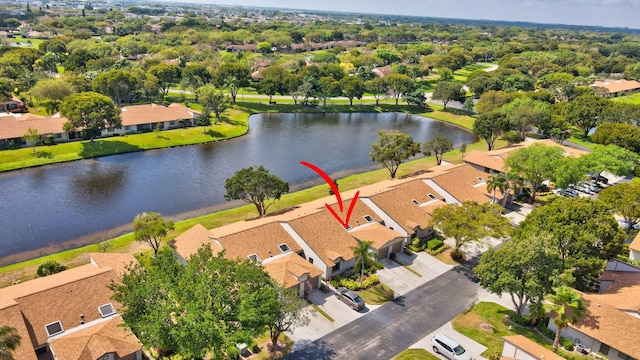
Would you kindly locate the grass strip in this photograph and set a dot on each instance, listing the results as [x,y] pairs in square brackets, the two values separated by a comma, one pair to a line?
[317,308]
[416,354]
[377,295]
[408,268]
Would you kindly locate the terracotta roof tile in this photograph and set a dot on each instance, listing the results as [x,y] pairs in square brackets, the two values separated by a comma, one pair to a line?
[324,234]
[188,243]
[63,297]
[286,270]
[263,240]
[531,348]
[614,86]
[377,233]
[154,113]
[15,126]
[464,183]
[398,204]
[635,244]
[96,340]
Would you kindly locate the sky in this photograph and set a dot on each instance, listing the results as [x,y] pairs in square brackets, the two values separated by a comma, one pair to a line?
[609,13]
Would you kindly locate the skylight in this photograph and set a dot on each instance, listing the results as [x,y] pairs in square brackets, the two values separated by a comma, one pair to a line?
[54,328]
[255,258]
[106,310]
[284,248]
[368,218]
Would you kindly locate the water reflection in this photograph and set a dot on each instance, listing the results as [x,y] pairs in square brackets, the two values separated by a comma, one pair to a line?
[100,184]
[63,202]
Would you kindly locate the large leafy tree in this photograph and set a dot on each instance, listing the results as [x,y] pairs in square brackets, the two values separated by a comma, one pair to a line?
[586,112]
[50,267]
[524,113]
[493,100]
[197,309]
[328,87]
[611,158]
[621,134]
[257,186]
[490,126]
[215,100]
[524,268]
[91,112]
[377,87]
[166,74]
[399,84]
[352,87]
[52,92]
[582,230]
[195,76]
[437,147]
[392,149]
[448,91]
[625,200]
[565,306]
[274,81]
[119,85]
[9,341]
[232,76]
[534,164]
[151,228]
[470,222]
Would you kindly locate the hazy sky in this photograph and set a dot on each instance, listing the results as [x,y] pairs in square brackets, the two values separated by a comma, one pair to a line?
[616,13]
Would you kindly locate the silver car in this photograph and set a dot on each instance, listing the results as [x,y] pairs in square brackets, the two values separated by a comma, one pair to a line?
[350,298]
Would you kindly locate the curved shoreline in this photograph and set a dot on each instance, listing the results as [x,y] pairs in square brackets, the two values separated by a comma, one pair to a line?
[245,111]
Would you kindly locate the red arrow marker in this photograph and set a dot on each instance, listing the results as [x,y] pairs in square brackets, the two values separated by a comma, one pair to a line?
[333,186]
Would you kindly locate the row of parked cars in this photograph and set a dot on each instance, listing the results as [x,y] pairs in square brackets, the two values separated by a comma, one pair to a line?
[586,187]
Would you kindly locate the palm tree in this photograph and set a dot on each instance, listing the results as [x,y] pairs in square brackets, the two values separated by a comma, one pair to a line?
[494,183]
[564,307]
[9,341]
[363,255]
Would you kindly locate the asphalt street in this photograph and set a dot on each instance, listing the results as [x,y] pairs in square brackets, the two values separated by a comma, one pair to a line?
[392,328]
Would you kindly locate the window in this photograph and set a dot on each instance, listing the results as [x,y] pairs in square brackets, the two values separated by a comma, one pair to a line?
[255,258]
[311,260]
[284,248]
[54,328]
[431,196]
[127,128]
[336,267]
[624,356]
[172,123]
[368,218]
[604,349]
[416,202]
[106,310]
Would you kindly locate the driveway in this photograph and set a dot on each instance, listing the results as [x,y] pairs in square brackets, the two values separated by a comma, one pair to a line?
[424,267]
[474,348]
[395,326]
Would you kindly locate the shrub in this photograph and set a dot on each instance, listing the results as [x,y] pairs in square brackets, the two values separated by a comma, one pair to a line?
[370,281]
[457,255]
[434,244]
[49,268]
[545,330]
[524,320]
[233,353]
[255,348]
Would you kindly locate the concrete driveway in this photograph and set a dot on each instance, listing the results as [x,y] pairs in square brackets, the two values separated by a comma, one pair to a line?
[474,348]
[319,324]
[425,268]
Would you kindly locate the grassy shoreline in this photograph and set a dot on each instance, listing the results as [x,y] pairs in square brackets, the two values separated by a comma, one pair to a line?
[234,123]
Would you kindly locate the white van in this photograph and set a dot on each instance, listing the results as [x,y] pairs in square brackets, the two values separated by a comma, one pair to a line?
[445,346]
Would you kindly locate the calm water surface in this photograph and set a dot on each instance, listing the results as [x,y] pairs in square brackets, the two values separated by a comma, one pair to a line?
[60,206]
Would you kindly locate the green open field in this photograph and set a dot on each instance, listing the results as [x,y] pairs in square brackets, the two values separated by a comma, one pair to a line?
[630,99]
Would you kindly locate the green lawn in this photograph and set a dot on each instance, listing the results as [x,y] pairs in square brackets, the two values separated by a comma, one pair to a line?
[377,295]
[469,324]
[416,354]
[631,99]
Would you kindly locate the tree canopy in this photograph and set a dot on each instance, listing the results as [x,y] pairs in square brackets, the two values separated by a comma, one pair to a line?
[565,306]
[470,222]
[437,147]
[200,308]
[151,228]
[534,164]
[392,149]
[91,112]
[624,199]
[257,186]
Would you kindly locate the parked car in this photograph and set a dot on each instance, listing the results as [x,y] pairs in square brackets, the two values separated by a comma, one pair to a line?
[350,298]
[592,186]
[625,225]
[569,193]
[584,188]
[599,178]
[447,347]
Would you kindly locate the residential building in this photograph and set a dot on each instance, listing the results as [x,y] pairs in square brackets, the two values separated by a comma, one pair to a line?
[147,117]
[492,162]
[460,183]
[634,248]
[70,315]
[613,88]
[14,126]
[518,347]
[612,319]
